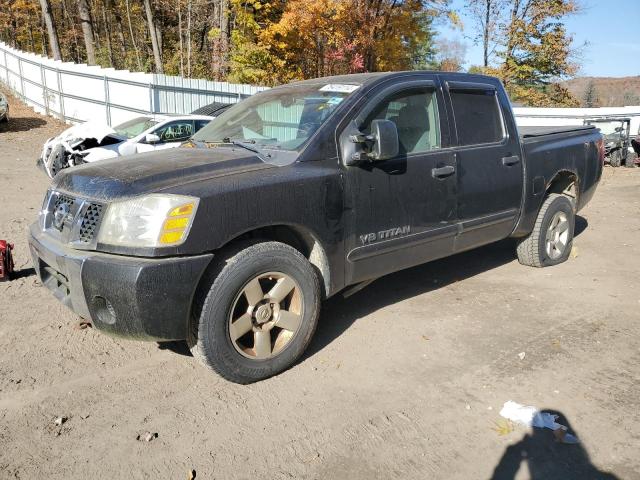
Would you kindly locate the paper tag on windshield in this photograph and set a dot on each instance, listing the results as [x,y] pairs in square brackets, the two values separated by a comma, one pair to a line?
[339,88]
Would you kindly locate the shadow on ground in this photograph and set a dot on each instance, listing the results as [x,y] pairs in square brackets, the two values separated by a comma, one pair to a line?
[339,313]
[548,459]
[21,124]
[24,273]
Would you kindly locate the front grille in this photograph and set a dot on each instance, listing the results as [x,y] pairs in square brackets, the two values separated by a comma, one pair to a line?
[90,223]
[78,226]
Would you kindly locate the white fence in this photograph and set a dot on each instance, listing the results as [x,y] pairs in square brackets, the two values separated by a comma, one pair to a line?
[77,93]
[575,116]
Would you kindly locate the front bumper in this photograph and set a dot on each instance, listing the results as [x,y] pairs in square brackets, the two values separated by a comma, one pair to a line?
[141,298]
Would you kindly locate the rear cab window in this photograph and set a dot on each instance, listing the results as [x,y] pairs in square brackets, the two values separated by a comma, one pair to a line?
[477,114]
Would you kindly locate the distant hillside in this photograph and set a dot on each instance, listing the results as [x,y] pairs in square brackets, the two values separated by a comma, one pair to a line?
[610,92]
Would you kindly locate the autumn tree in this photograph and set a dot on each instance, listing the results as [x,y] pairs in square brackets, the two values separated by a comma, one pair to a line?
[450,55]
[153,33]
[486,16]
[537,52]
[248,41]
[330,37]
[630,99]
[86,22]
[51,29]
[590,97]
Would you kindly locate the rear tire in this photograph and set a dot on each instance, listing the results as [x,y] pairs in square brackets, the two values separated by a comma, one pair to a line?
[630,162]
[551,240]
[256,313]
[616,158]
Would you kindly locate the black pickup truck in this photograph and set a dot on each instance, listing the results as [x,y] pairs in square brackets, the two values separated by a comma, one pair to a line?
[232,241]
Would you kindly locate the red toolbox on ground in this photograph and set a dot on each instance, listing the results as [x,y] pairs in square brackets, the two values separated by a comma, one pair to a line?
[6,261]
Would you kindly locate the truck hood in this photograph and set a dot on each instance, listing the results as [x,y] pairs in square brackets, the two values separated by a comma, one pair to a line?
[155,171]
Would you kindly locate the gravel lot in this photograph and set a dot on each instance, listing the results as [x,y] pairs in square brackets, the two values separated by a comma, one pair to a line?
[404,380]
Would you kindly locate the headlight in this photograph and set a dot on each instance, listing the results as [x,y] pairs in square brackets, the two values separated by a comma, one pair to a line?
[149,221]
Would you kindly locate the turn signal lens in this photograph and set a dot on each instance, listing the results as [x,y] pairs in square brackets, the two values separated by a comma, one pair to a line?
[171,237]
[176,224]
[182,210]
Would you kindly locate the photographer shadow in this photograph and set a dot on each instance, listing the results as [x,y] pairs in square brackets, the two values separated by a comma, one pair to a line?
[547,458]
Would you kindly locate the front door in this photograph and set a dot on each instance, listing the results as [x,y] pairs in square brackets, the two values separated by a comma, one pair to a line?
[403,209]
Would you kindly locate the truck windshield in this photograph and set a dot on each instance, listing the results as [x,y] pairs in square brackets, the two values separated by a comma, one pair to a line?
[283,118]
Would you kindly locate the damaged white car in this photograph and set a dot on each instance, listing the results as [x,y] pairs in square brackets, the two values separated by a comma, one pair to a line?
[92,141]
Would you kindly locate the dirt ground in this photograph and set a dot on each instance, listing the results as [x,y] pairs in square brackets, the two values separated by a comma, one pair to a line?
[403,380]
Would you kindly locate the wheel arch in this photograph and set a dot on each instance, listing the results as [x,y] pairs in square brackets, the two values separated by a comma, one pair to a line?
[298,237]
[565,182]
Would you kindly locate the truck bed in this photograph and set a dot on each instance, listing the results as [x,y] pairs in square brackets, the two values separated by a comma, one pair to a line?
[535,131]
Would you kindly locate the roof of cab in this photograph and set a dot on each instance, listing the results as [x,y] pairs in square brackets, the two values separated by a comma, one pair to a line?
[369,78]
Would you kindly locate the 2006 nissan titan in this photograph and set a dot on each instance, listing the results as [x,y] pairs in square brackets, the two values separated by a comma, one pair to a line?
[232,241]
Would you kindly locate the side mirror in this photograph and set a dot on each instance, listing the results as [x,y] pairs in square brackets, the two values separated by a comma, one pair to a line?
[384,134]
[151,138]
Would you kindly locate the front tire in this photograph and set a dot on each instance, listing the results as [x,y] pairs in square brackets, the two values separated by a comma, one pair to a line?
[551,240]
[256,313]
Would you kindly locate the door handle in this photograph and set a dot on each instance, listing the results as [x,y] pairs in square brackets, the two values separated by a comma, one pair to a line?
[510,161]
[443,172]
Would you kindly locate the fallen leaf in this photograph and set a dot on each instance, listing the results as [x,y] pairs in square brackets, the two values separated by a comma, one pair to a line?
[503,427]
[574,252]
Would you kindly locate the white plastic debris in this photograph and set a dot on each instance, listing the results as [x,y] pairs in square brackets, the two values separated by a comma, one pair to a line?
[521,355]
[532,417]
[146,437]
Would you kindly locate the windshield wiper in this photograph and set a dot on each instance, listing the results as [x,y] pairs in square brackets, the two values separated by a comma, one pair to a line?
[244,145]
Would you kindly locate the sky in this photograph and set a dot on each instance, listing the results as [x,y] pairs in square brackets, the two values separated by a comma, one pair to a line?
[610,29]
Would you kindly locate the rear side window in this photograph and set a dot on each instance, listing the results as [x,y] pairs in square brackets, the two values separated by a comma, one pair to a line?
[478,116]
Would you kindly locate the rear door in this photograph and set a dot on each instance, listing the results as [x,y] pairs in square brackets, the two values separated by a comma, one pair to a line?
[403,210]
[489,167]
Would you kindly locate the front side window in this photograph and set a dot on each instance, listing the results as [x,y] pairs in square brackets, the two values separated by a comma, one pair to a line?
[478,116]
[415,114]
[177,131]
[283,118]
